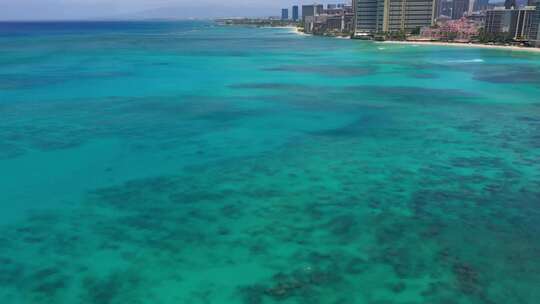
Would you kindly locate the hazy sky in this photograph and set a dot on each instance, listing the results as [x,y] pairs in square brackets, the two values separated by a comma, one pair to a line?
[81,9]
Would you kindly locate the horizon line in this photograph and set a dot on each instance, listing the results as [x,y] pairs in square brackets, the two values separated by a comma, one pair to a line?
[129,19]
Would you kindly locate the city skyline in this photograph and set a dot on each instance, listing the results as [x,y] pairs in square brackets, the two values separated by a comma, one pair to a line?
[147,9]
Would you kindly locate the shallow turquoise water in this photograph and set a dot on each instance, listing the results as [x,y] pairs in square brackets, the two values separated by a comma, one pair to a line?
[189,163]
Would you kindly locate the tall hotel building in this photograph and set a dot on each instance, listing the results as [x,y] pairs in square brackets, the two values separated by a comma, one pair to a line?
[520,24]
[311,10]
[534,34]
[295,13]
[284,14]
[376,16]
[459,8]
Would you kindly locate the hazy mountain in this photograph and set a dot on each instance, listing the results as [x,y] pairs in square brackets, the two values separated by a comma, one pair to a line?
[202,11]
[135,9]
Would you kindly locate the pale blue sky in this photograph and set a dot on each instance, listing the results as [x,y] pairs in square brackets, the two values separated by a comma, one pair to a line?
[83,9]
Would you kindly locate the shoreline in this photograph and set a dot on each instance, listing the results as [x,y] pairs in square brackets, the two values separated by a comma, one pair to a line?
[297,31]
[280,27]
[464,45]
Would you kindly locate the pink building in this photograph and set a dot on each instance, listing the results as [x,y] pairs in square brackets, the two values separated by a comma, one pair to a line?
[452,30]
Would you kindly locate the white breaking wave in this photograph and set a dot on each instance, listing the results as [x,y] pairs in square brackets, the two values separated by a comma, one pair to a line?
[466,60]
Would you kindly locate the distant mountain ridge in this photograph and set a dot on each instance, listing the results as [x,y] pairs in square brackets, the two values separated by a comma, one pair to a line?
[202,11]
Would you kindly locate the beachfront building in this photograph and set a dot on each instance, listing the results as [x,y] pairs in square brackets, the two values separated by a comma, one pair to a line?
[341,19]
[462,30]
[390,16]
[295,13]
[335,20]
[407,15]
[517,24]
[315,24]
[311,10]
[368,17]
[285,14]
[337,9]
[534,32]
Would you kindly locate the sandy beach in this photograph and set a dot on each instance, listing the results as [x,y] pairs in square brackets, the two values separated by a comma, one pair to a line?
[435,43]
[472,45]
[298,31]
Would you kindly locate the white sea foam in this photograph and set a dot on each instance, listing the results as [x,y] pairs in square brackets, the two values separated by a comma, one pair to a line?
[466,60]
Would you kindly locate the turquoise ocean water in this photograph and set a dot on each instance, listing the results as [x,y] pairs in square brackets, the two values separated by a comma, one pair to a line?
[190,163]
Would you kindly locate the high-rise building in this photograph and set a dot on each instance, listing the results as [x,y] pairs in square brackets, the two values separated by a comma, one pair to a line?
[295,13]
[376,16]
[518,24]
[534,31]
[509,4]
[470,10]
[459,8]
[436,9]
[311,10]
[407,15]
[284,14]
[367,15]
[445,8]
